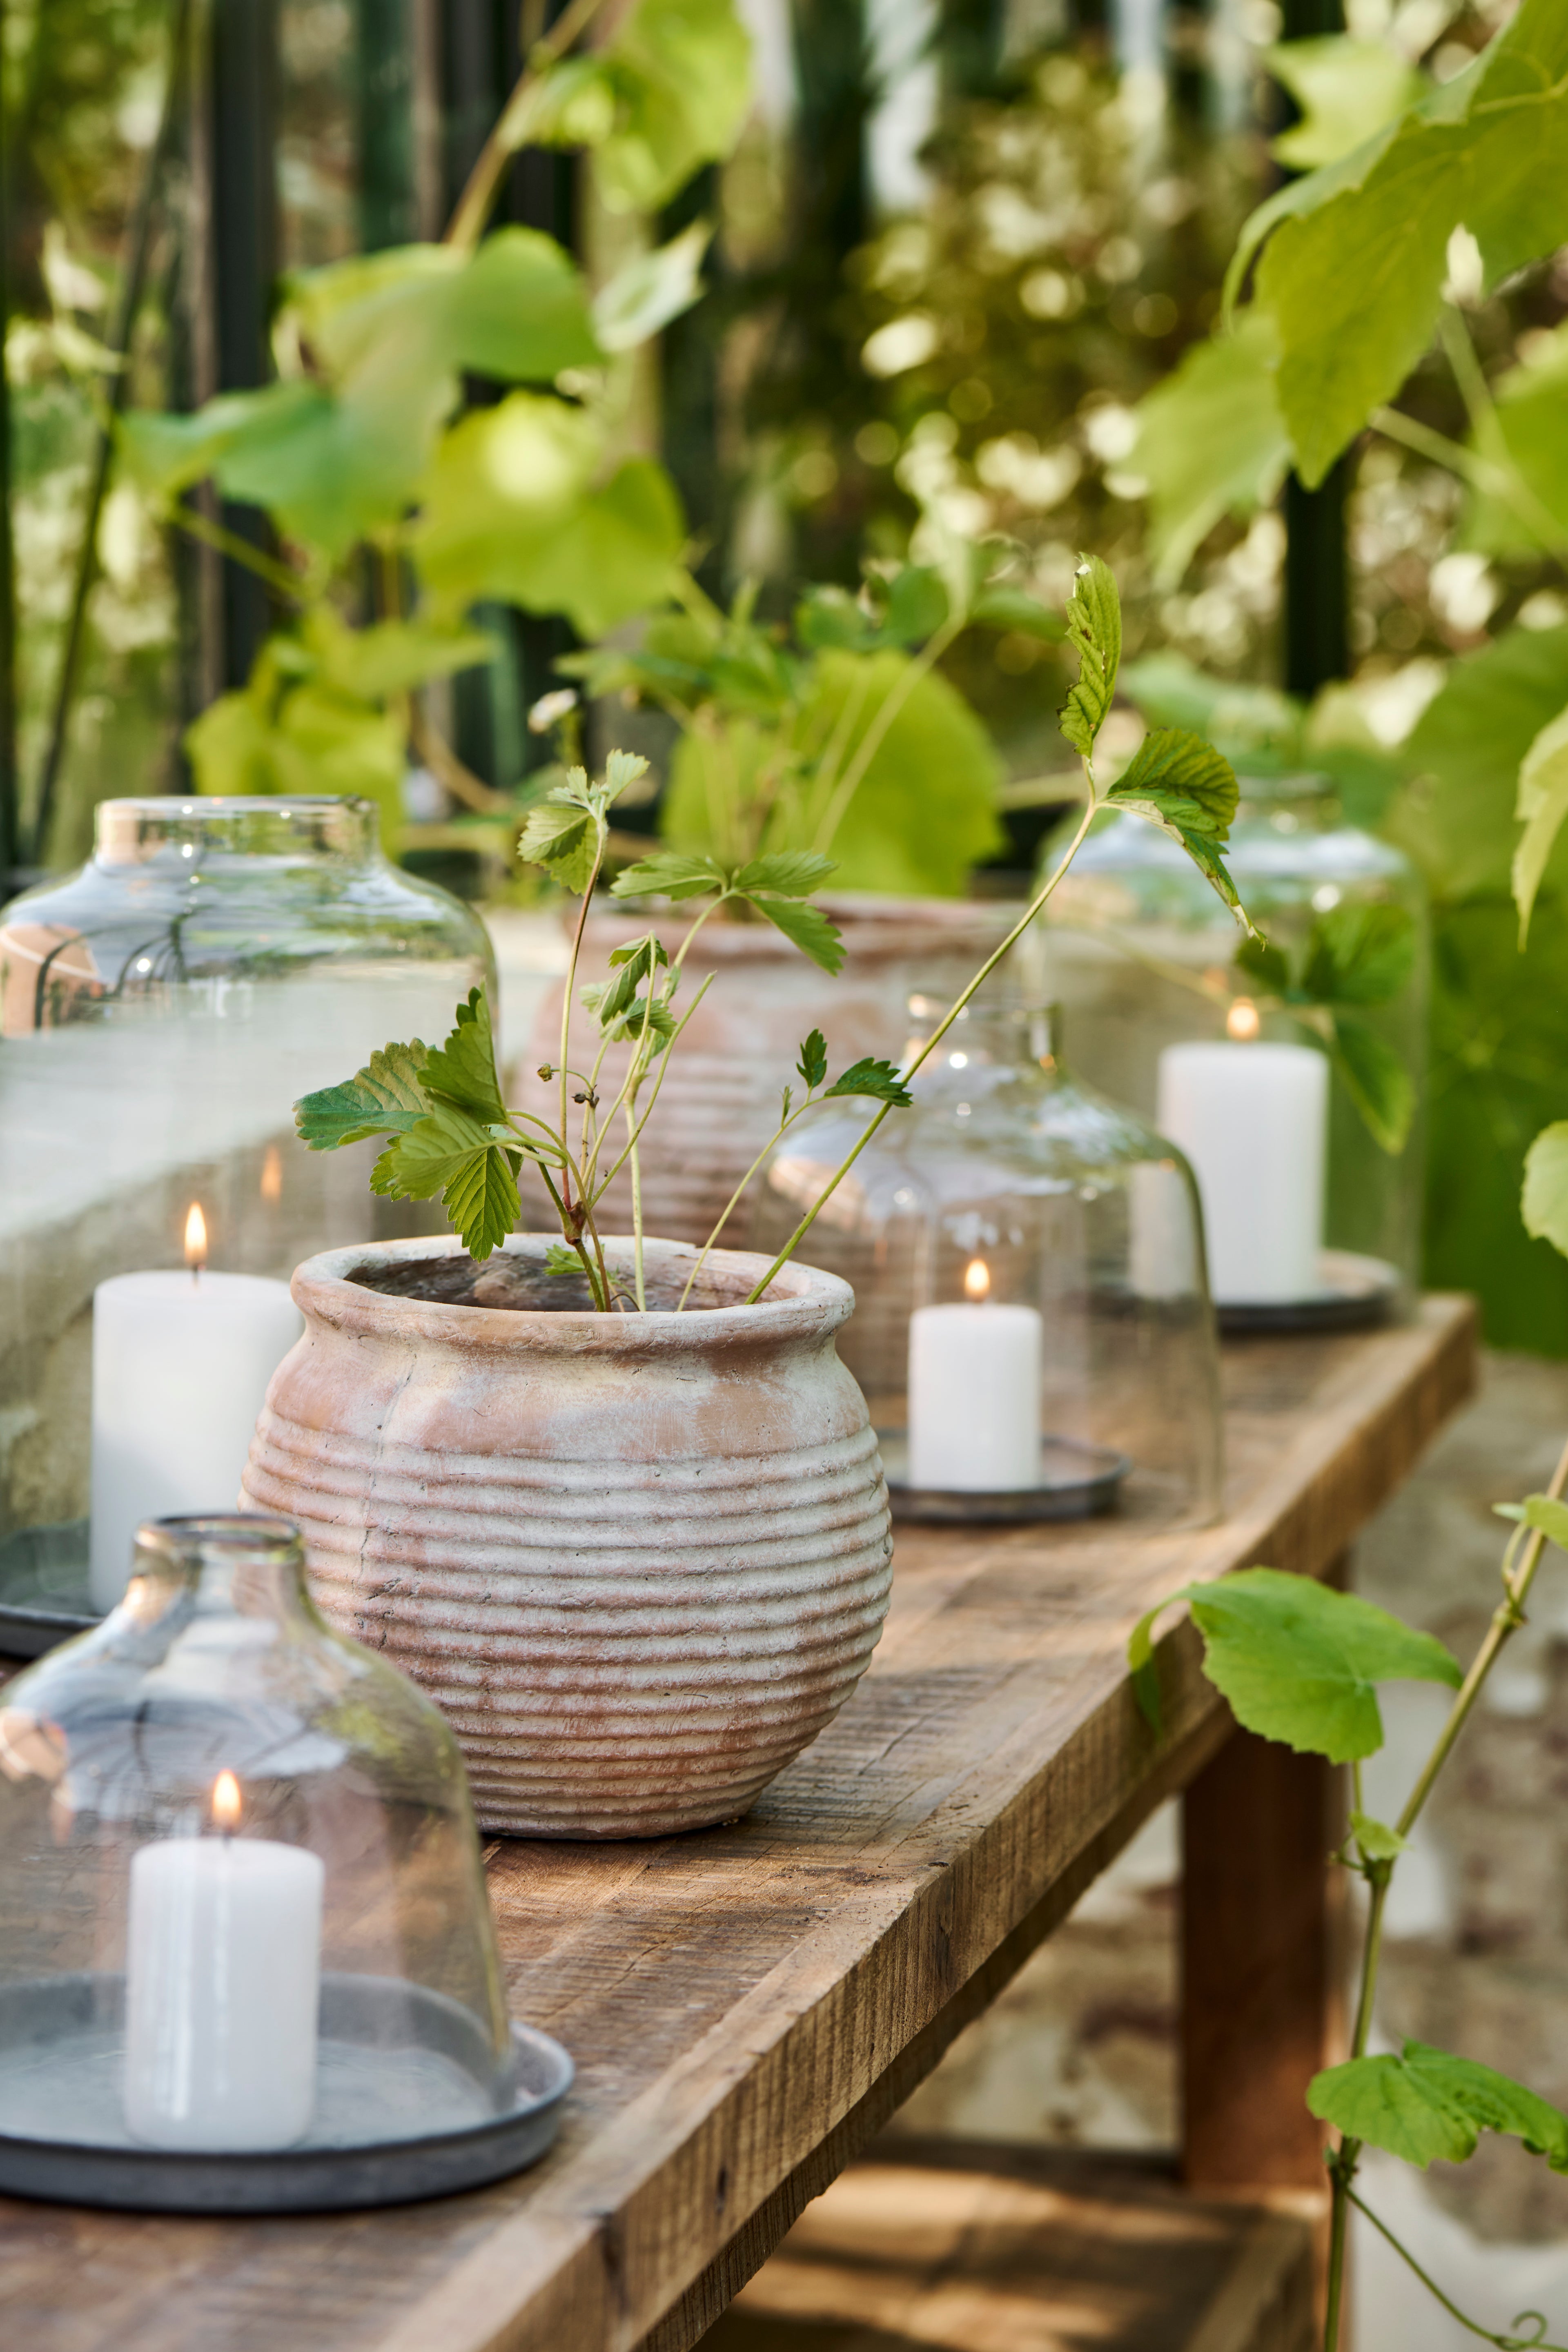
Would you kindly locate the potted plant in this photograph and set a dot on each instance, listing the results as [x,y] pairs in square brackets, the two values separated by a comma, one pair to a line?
[612,1500]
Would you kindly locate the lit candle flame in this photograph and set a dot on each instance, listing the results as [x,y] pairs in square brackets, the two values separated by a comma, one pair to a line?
[977,1279]
[195,1238]
[272,1176]
[1241,1021]
[226,1802]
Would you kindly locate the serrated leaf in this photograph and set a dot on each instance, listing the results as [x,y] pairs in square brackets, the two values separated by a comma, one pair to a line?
[450,1152]
[559,1259]
[480,1197]
[681,74]
[622,770]
[564,840]
[1346,89]
[1179,780]
[386,1096]
[1376,1839]
[1424,2105]
[813,1061]
[1094,631]
[789,873]
[1542,804]
[1299,1662]
[463,1069]
[1358,954]
[807,926]
[1377,1081]
[669,874]
[879,1081]
[1546,1200]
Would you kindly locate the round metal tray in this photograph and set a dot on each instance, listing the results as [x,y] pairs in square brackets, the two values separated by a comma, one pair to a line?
[1075,1482]
[406,2107]
[1357,1293]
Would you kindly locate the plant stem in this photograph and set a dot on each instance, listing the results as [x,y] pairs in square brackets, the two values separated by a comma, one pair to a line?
[932,1042]
[729,1209]
[278,576]
[876,735]
[444,765]
[636,1168]
[466,223]
[1505,2343]
[1504,482]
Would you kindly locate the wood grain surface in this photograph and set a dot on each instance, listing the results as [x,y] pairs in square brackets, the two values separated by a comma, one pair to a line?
[747,2005]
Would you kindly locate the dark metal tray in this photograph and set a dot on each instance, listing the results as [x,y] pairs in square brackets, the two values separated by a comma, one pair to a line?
[1357,1293]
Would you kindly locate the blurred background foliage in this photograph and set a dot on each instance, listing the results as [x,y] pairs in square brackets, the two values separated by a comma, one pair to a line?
[961,241]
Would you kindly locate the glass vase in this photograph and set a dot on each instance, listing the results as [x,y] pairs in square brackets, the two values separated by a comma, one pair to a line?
[1032,1326]
[161,1011]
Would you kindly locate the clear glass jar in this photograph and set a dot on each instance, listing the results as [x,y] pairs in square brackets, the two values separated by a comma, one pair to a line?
[1032,1326]
[1140,954]
[243,1913]
[161,1011]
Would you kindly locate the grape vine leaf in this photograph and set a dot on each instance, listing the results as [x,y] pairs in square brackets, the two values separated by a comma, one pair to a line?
[387,1095]
[1542,805]
[651,290]
[681,72]
[1094,632]
[1545,1200]
[1529,420]
[1424,2105]
[463,1069]
[1347,90]
[1211,441]
[1457,820]
[1299,1661]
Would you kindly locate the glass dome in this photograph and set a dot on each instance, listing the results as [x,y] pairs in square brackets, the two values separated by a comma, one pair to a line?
[242,1905]
[1141,956]
[1032,1326]
[160,1012]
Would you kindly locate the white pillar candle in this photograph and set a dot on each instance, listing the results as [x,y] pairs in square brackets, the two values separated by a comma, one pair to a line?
[223,1980]
[179,1368]
[1162,1259]
[1253,1122]
[975,1395]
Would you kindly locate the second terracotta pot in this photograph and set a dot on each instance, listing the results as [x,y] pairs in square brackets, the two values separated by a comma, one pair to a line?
[638,1560]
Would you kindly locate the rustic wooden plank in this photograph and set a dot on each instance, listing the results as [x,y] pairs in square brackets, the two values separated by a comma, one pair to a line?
[972,2247]
[744,2004]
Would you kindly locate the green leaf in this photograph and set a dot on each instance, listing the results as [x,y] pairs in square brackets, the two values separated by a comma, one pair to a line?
[1094,631]
[1378,1082]
[651,290]
[1177,780]
[1264,964]
[1542,804]
[631,966]
[1539,1511]
[391,657]
[624,1018]
[559,1259]
[788,872]
[450,1152]
[813,1061]
[386,1096]
[566,840]
[1457,819]
[807,926]
[1358,954]
[1000,606]
[832,616]
[1346,89]
[1529,422]
[1299,1662]
[1545,1202]
[880,1081]
[1211,442]
[669,874]
[622,770]
[1423,2104]
[1353,268]
[518,311]
[1376,1839]
[681,74]
[917,605]
[463,1069]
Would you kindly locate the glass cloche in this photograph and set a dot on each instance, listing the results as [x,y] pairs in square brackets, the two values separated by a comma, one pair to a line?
[1156,1009]
[246,1957]
[161,1011]
[1031,1326]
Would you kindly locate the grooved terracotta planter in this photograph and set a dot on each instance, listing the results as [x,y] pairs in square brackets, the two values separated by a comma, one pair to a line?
[638,1560]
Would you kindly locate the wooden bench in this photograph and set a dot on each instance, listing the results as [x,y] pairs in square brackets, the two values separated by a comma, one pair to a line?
[748,2006]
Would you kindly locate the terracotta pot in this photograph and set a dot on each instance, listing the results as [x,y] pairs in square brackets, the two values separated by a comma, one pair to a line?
[719,1101]
[638,1560]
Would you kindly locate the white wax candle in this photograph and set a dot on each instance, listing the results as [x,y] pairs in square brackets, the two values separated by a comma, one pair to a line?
[975,1398]
[222,1978]
[1253,1120]
[179,1369]
[1162,1257]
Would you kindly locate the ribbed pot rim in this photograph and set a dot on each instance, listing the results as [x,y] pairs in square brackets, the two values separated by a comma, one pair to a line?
[804,1303]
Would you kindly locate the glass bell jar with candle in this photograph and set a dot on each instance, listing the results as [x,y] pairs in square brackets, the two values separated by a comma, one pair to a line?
[1293,1078]
[161,1011]
[1032,1326]
[246,1956]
